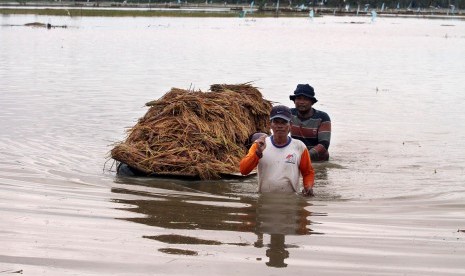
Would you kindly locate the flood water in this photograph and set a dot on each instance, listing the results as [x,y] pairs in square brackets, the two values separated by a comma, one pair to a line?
[391,200]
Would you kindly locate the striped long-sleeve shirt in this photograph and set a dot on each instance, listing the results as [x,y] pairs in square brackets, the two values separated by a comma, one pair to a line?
[315,132]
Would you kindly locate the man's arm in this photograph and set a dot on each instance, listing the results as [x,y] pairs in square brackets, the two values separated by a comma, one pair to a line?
[320,151]
[250,161]
[308,174]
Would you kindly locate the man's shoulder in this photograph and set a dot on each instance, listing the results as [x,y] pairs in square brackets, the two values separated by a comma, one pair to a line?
[317,113]
[298,143]
[322,115]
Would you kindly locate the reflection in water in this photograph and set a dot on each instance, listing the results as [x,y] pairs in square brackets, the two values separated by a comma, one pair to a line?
[277,252]
[276,215]
[176,251]
[279,215]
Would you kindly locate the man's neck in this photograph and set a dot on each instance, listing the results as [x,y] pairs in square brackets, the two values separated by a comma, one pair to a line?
[305,115]
[280,140]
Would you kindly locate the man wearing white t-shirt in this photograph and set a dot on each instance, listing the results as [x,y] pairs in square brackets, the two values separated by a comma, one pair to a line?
[281,160]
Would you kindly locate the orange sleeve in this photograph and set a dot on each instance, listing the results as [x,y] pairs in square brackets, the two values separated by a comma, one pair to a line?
[250,161]
[306,169]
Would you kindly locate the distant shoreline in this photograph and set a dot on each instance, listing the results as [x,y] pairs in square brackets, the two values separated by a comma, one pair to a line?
[207,10]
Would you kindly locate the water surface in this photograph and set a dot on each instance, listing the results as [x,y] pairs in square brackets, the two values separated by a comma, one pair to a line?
[389,202]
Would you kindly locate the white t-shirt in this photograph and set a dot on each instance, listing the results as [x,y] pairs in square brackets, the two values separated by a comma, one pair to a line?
[278,169]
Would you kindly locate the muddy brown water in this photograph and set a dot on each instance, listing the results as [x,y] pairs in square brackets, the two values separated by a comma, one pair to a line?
[389,202]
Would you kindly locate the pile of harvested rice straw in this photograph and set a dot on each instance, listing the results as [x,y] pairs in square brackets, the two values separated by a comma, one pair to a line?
[194,133]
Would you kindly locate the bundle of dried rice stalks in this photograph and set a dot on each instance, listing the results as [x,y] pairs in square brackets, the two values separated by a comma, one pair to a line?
[195,133]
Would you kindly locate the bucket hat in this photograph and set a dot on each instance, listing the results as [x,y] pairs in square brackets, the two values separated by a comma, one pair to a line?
[304,90]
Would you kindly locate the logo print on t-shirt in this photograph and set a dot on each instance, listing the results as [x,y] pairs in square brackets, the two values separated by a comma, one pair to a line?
[290,158]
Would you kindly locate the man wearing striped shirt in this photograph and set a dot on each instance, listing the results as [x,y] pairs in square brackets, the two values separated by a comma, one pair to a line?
[311,126]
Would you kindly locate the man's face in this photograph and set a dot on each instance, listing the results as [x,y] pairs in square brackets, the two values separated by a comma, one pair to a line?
[302,103]
[280,127]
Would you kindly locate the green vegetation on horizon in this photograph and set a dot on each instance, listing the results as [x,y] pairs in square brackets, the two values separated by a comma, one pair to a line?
[116,12]
[391,4]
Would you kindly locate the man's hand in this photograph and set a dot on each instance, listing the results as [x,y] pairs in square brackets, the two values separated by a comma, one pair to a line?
[261,143]
[308,192]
